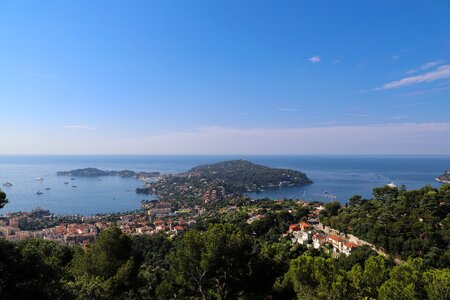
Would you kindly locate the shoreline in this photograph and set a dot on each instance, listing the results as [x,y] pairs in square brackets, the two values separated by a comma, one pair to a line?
[442,180]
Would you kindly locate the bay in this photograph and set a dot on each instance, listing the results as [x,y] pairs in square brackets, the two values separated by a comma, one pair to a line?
[341,176]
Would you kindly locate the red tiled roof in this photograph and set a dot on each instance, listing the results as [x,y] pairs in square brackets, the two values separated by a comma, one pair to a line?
[319,236]
[351,245]
[294,227]
[305,225]
[335,238]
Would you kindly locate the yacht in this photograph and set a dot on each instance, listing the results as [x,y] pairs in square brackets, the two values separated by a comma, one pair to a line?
[391,185]
[40,179]
[7,184]
[39,193]
[66,182]
[47,189]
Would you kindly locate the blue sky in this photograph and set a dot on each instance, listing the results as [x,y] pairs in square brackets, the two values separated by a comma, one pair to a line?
[294,77]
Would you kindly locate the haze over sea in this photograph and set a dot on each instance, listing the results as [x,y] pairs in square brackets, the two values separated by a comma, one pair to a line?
[342,176]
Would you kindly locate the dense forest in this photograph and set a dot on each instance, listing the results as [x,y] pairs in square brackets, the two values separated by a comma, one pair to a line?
[242,174]
[224,257]
[234,176]
[403,223]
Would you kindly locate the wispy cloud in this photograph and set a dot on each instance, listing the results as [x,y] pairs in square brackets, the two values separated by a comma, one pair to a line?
[315,59]
[395,57]
[400,117]
[288,109]
[441,72]
[359,115]
[423,92]
[336,61]
[398,138]
[79,127]
[389,138]
[426,66]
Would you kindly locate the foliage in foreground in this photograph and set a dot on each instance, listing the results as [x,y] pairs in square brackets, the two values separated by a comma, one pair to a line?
[226,258]
[220,263]
[403,223]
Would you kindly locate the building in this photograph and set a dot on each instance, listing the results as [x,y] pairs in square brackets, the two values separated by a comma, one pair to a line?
[305,226]
[301,237]
[348,248]
[294,227]
[318,240]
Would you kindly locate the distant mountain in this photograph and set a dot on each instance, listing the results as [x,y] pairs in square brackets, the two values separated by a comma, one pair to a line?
[94,172]
[234,176]
[445,178]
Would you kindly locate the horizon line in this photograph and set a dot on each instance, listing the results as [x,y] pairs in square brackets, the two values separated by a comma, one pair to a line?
[221,154]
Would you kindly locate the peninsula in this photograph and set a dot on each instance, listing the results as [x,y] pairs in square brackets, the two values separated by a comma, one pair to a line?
[445,178]
[223,179]
[94,172]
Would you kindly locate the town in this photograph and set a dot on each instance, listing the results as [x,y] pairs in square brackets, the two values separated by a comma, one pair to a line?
[161,217]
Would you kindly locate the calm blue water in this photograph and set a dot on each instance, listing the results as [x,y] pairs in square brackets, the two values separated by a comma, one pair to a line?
[342,176]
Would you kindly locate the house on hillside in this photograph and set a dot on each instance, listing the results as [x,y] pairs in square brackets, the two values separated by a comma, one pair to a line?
[348,248]
[318,240]
[301,237]
[294,227]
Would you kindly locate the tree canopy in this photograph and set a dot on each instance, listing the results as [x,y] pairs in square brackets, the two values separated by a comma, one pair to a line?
[403,223]
[3,199]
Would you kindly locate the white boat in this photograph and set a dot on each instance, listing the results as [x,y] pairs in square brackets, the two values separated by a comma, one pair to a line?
[391,185]
[40,179]
[7,184]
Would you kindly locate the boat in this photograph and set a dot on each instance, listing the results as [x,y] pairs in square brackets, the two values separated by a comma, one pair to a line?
[391,185]
[66,182]
[74,186]
[47,189]
[39,193]
[40,179]
[7,184]
[72,178]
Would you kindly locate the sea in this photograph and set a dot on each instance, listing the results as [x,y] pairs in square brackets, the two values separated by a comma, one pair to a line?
[336,178]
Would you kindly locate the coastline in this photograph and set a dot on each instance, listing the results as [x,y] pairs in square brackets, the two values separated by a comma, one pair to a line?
[340,176]
[442,180]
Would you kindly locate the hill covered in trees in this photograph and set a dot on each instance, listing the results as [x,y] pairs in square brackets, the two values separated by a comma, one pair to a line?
[243,175]
[403,223]
[235,176]
[94,172]
[221,262]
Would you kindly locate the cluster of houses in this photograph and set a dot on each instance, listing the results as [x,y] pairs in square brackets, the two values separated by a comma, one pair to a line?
[158,217]
[309,234]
